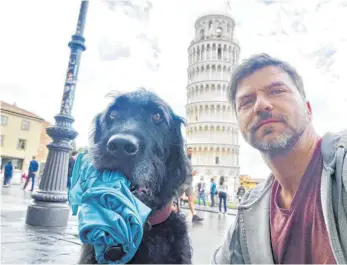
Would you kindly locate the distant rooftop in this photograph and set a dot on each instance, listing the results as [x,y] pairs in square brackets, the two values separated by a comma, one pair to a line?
[12,108]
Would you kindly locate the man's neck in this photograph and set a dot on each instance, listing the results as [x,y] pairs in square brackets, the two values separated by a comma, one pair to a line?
[289,168]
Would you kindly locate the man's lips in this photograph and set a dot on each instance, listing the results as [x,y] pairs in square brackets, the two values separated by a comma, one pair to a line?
[265,122]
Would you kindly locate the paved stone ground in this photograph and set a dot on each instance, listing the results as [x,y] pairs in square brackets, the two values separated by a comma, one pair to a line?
[201,208]
[21,243]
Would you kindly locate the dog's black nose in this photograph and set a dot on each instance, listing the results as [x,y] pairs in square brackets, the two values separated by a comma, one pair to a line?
[123,144]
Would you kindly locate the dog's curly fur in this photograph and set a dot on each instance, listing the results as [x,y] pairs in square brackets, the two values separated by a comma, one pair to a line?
[160,165]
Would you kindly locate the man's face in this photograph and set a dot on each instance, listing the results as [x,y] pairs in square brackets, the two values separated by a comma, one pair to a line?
[190,152]
[272,114]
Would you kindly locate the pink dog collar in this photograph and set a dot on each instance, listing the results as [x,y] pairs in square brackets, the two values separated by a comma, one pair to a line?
[161,215]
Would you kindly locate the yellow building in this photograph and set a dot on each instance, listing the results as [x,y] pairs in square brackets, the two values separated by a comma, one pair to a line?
[44,141]
[248,183]
[21,137]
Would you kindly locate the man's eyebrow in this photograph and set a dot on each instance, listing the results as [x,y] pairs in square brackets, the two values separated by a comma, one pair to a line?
[274,84]
[267,87]
[243,97]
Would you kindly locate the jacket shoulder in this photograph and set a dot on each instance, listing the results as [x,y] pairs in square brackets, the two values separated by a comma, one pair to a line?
[330,143]
[255,194]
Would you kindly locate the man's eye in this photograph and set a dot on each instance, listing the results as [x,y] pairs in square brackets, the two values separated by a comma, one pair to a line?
[113,115]
[246,103]
[156,117]
[276,91]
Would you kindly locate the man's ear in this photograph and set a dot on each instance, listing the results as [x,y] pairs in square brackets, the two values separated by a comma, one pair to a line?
[95,130]
[308,105]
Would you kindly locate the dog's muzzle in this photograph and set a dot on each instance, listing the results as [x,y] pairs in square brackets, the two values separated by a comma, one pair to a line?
[123,145]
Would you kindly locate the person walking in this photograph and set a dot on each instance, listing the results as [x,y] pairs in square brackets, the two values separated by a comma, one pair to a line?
[72,160]
[213,189]
[201,191]
[187,188]
[33,168]
[299,214]
[8,173]
[240,192]
[222,193]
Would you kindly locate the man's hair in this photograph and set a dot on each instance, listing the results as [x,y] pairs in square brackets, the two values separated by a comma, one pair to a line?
[34,157]
[189,148]
[73,153]
[258,62]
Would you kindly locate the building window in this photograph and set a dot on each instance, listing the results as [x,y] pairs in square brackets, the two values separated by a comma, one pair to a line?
[25,125]
[210,25]
[202,33]
[219,31]
[2,138]
[4,120]
[217,160]
[21,144]
[219,51]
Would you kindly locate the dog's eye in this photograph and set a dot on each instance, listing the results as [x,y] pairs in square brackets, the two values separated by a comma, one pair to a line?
[113,115]
[156,117]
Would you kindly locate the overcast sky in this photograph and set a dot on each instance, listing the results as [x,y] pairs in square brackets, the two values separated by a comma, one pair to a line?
[144,43]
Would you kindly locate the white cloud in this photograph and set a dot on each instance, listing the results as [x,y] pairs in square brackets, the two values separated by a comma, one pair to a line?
[144,43]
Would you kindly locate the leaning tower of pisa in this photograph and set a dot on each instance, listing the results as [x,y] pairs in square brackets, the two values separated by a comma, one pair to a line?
[211,126]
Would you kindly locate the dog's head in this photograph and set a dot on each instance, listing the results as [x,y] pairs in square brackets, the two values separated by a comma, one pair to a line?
[139,135]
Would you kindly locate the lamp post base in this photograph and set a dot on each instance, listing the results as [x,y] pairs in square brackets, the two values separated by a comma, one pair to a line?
[48,214]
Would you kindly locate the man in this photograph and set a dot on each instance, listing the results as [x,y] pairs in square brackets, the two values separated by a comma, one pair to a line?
[189,191]
[72,160]
[213,190]
[240,192]
[299,214]
[33,168]
[201,191]
[8,174]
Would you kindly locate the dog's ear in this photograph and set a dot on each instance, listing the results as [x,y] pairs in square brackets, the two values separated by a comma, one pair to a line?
[178,164]
[95,130]
[180,120]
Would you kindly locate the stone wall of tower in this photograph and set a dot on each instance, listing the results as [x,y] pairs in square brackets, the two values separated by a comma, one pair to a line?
[211,126]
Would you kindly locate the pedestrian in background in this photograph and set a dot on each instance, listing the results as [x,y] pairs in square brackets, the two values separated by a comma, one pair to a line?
[222,193]
[213,190]
[8,174]
[72,160]
[33,168]
[240,192]
[201,191]
[187,188]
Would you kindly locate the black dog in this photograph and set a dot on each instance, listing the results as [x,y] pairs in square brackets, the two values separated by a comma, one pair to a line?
[140,135]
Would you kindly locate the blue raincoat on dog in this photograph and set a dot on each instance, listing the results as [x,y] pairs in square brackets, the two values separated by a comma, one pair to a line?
[110,215]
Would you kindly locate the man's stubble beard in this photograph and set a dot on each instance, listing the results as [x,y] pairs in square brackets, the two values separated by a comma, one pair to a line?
[283,143]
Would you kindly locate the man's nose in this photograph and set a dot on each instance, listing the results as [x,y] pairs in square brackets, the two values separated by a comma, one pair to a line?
[124,145]
[262,104]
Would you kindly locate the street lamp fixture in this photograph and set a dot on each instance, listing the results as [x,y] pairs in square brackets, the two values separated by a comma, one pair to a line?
[49,207]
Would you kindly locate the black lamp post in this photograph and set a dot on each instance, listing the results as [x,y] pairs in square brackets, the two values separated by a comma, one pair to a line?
[49,207]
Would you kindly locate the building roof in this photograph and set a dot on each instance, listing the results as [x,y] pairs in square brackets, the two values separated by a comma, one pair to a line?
[16,110]
[247,178]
